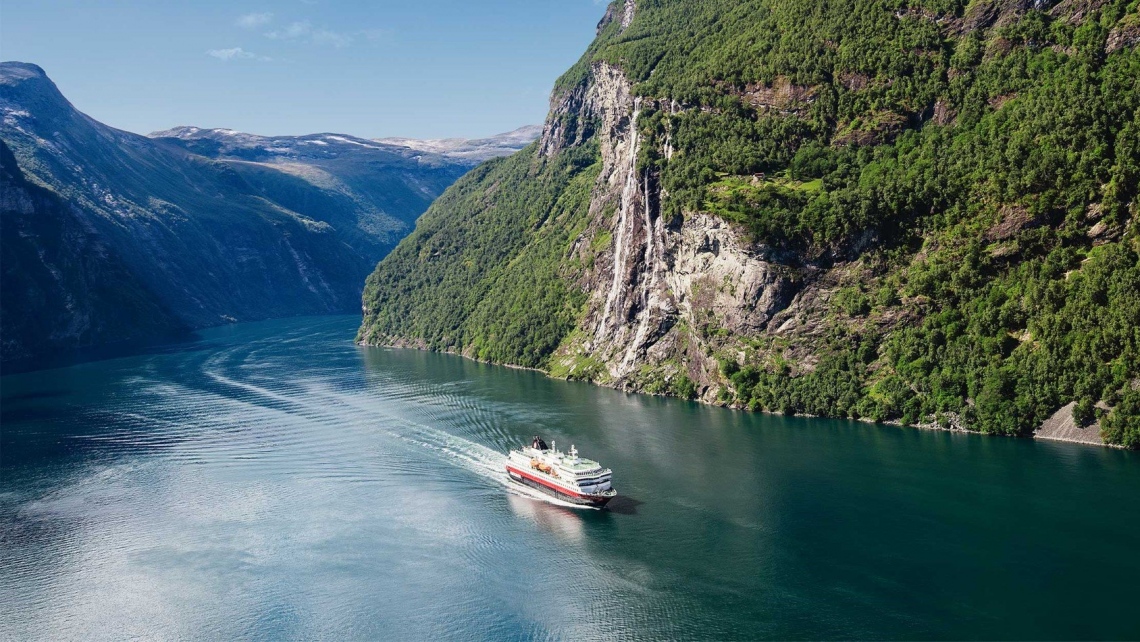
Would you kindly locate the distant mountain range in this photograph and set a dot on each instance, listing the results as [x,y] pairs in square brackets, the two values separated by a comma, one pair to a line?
[477,149]
[110,236]
[321,147]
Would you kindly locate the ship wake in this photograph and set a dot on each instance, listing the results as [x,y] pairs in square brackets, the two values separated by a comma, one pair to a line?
[472,456]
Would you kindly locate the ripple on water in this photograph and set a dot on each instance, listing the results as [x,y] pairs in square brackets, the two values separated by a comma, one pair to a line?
[277,482]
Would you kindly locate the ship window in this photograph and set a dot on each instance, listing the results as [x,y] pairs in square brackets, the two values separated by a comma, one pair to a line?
[593,480]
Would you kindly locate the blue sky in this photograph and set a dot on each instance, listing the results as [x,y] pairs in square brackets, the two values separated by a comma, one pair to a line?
[420,68]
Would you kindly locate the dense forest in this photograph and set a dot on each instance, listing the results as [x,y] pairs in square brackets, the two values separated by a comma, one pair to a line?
[973,166]
[482,268]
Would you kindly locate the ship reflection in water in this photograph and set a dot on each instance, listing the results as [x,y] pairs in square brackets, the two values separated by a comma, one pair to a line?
[561,521]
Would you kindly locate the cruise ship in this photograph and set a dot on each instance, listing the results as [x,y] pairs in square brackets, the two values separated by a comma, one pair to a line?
[564,475]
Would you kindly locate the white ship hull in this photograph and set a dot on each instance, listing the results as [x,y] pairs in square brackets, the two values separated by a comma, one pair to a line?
[561,475]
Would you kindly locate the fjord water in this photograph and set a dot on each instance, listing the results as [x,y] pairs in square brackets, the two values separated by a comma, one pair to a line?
[273,480]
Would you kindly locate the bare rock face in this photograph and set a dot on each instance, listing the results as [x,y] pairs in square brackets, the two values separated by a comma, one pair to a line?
[714,272]
[629,299]
[655,286]
[1125,35]
[1074,11]
[627,11]
[1061,427]
[787,98]
[988,13]
[943,114]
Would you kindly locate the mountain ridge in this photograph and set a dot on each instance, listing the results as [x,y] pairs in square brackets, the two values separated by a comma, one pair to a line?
[475,149]
[237,144]
[215,233]
[892,213]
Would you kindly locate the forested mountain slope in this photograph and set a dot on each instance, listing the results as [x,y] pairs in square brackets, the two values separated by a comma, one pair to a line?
[110,235]
[918,210]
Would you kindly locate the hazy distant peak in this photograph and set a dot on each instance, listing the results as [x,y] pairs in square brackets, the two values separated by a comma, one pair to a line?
[189,132]
[471,148]
[186,132]
[229,142]
[233,136]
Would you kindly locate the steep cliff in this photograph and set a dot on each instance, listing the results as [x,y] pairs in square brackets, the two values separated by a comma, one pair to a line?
[51,261]
[919,211]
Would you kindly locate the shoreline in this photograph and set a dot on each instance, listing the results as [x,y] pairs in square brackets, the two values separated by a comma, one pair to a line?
[889,422]
[1068,440]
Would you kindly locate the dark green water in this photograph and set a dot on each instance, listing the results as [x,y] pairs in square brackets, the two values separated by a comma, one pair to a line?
[273,480]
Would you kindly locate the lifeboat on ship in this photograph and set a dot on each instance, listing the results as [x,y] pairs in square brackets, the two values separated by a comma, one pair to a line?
[563,475]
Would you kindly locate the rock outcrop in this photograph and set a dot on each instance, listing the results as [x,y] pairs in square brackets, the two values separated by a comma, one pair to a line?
[655,285]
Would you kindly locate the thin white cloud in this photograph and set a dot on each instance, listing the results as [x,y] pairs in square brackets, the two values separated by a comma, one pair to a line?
[327,37]
[291,32]
[235,53]
[254,20]
[303,31]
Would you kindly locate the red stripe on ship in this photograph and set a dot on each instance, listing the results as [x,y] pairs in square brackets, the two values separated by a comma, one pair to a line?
[549,484]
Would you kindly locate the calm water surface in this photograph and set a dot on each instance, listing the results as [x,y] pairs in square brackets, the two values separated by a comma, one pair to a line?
[273,480]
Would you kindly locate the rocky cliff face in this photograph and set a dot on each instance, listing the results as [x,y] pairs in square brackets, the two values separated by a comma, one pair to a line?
[654,283]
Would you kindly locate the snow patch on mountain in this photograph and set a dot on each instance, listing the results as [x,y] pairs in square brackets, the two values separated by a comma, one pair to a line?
[477,149]
[329,145]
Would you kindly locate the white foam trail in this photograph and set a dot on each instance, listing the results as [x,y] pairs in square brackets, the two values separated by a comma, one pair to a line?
[477,458]
[474,457]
